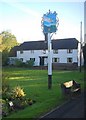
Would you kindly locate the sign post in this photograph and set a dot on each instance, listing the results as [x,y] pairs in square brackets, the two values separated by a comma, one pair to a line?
[49,62]
[49,24]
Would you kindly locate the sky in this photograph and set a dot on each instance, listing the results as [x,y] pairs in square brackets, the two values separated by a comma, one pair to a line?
[23,18]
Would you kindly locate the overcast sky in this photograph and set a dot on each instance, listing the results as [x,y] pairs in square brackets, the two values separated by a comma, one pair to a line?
[23,18]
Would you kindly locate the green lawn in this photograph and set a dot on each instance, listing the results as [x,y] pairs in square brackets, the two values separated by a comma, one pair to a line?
[35,84]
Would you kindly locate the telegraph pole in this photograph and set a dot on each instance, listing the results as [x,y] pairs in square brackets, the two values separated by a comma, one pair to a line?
[80,46]
[85,22]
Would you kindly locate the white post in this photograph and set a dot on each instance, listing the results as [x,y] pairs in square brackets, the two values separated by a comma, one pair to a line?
[49,62]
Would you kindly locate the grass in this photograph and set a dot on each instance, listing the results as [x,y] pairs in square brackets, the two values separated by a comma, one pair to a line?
[35,84]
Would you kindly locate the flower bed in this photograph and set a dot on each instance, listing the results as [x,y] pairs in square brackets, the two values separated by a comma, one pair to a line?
[14,100]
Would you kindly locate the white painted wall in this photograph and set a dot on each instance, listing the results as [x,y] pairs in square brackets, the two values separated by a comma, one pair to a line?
[62,55]
[27,55]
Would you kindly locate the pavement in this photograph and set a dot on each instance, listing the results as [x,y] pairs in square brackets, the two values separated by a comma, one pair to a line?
[74,108]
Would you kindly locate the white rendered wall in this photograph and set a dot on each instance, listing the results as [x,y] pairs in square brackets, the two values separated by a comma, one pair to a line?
[27,55]
[62,55]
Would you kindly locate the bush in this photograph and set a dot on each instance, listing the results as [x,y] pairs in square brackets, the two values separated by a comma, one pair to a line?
[18,92]
[5,109]
[13,99]
[5,59]
[19,103]
[19,63]
[5,87]
[30,63]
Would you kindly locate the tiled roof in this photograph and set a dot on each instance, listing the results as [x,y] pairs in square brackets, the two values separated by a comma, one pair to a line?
[70,43]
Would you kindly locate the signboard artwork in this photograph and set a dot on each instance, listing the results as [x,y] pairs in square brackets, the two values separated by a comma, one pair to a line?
[49,22]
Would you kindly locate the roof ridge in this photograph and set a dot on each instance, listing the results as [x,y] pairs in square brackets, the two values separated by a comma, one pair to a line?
[52,39]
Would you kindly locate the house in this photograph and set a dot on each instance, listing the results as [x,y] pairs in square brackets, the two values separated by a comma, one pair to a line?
[64,51]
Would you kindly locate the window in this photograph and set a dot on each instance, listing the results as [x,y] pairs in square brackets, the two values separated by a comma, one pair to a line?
[21,52]
[55,51]
[44,51]
[33,59]
[32,51]
[69,60]
[56,60]
[69,50]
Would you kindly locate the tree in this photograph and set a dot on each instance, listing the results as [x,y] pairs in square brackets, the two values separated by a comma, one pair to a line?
[5,55]
[7,41]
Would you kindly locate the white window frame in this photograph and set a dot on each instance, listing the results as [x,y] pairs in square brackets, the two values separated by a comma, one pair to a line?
[32,59]
[55,51]
[21,51]
[56,60]
[69,50]
[32,51]
[69,60]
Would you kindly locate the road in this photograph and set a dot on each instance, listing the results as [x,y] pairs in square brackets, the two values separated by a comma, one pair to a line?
[74,108]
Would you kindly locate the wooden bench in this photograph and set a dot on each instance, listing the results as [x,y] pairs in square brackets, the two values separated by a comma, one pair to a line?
[71,88]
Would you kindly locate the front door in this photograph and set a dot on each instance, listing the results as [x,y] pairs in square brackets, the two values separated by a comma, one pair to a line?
[41,61]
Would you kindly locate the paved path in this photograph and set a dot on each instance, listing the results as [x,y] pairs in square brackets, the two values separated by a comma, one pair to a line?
[75,108]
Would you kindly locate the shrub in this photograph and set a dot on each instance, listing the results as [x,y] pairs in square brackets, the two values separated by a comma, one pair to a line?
[16,96]
[5,55]
[19,103]
[5,87]
[5,109]
[19,99]
[30,63]
[18,63]
[18,92]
